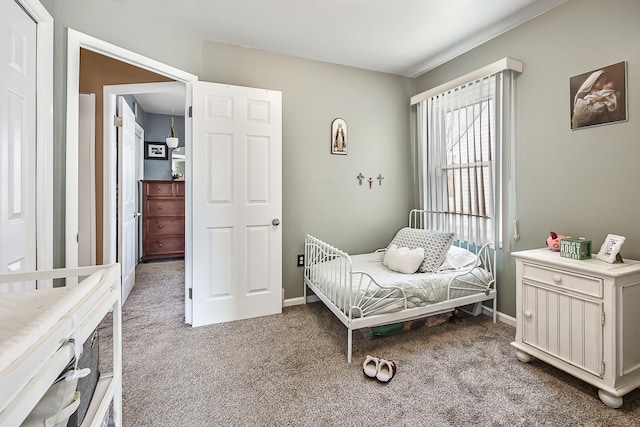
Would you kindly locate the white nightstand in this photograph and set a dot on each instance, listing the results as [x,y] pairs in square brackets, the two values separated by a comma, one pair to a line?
[581,316]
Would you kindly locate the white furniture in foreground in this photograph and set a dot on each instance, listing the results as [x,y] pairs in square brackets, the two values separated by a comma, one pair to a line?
[580,316]
[36,329]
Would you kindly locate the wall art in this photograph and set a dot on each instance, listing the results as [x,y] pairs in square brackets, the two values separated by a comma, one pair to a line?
[599,97]
[339,136]
[155,151]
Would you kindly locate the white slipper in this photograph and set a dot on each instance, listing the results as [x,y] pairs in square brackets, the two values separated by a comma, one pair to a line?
[370,366]
[386,370]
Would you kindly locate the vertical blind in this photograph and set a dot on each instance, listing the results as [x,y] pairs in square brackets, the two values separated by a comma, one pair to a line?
[466,151]
[458,156]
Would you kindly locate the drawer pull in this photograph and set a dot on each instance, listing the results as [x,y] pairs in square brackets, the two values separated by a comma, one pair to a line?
[159,244]
[557,278]
[527,314]
[160,226]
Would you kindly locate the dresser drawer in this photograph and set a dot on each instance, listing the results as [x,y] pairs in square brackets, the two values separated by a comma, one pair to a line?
[164,226]
[579,283]
[164,245]
[159,189]
[164,207]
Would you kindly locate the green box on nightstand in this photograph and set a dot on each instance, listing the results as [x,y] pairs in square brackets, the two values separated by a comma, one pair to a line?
[575,248]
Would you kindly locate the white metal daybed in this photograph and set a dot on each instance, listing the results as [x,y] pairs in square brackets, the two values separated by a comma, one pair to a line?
[362,292]
[37,333]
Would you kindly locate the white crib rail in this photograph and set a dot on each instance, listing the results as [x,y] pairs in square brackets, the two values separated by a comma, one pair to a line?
[485,258]
[354,293]
[317,254]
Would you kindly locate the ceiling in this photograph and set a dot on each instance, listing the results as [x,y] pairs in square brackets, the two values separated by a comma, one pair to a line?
[404,37]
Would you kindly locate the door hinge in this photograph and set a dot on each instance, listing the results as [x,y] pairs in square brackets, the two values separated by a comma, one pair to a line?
[602,369]
[190,111]
[117,121]
[602,318]
[190,293]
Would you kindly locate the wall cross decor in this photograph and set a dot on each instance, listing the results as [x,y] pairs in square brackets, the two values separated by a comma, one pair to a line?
[380,178]
[360,177]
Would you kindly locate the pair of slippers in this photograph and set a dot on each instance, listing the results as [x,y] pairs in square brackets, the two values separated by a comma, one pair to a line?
[380,369]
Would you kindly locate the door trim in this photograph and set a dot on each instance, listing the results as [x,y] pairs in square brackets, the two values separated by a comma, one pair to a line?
[44,135]
[109,156]
[75,41]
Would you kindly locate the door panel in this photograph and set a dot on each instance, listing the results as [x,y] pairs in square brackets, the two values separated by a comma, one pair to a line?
[127,195]
[237,192]
[18,144]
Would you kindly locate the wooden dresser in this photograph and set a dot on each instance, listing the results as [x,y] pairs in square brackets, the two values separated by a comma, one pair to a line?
[162,219]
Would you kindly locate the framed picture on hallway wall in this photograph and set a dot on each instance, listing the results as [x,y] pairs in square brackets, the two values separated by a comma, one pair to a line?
[339,137]
[155,150]
[599,97]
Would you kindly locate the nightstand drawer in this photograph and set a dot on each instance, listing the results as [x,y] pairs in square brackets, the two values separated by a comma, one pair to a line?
[587,285]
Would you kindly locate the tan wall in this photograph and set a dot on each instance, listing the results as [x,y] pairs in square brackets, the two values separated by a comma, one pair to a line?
[97,71]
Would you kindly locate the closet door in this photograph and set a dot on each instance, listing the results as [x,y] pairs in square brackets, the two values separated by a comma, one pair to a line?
[237,203]
[17,143]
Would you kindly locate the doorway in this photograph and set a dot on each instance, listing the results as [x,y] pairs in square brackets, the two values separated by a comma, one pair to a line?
[151,103]
[256,167]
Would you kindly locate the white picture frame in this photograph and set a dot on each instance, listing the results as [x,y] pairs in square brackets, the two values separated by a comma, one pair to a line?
[610,248]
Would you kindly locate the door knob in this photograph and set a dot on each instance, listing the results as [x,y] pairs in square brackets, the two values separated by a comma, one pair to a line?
[275,221]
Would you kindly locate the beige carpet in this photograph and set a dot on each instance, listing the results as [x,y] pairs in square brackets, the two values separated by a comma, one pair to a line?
[291,369]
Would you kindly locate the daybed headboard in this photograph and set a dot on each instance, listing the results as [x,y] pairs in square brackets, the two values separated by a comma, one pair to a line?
[471,230]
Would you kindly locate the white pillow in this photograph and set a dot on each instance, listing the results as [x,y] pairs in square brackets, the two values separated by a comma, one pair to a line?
[385,258]
[404,260]
[457,258]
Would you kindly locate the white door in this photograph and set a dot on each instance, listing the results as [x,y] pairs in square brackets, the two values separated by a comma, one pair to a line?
[127,215]
[236,157]
[86,180]
[18,143]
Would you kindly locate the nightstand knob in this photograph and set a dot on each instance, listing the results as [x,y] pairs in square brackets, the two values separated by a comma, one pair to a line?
[557,278]
[527,314]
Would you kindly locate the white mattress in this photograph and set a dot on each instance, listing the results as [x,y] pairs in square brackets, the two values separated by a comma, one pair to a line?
[420,288]
[25,317]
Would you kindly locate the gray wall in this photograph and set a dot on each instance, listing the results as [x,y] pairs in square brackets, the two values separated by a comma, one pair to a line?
[321,195]
[582,182]
[122,24]
[156,129]
[320,192]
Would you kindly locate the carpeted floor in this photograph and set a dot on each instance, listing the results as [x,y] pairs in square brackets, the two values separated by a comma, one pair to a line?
[291,369]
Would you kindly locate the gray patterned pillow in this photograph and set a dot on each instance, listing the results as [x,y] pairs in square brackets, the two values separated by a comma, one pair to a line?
[435,245]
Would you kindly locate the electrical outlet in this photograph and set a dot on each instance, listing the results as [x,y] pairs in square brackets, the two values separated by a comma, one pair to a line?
[301,260]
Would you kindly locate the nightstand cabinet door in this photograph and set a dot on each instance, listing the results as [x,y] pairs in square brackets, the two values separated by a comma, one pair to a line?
[568,327]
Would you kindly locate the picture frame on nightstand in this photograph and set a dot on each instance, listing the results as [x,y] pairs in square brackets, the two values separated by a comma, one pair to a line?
[610,248]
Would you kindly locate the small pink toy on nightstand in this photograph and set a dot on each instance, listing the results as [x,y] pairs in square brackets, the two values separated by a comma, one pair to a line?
[553,241]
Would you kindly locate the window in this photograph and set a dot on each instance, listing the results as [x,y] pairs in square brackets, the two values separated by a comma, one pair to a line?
[464,152]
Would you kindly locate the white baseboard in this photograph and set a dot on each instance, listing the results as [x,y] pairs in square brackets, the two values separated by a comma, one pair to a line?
[487,311]
[299,300]
[501,317]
